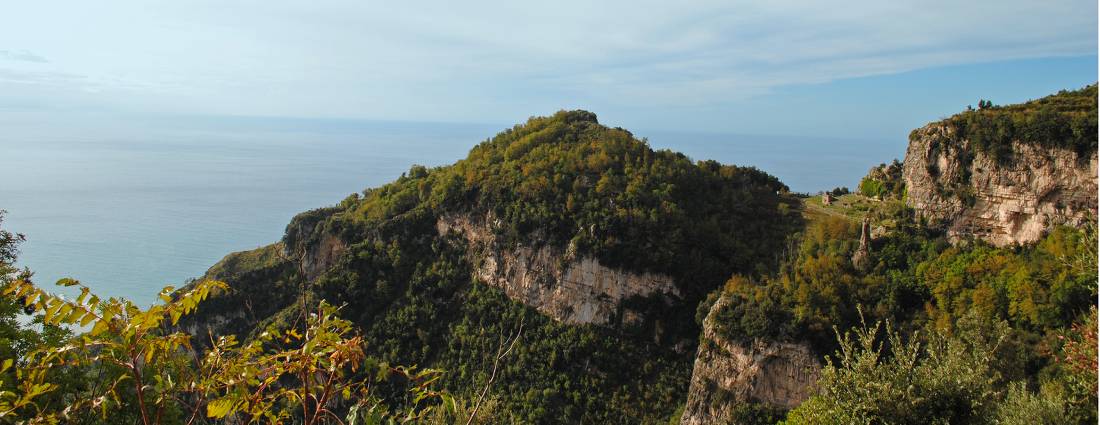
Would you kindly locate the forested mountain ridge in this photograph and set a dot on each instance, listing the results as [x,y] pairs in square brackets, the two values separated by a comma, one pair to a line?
[565,272]
[974,325]
[567,213]
[1007,174]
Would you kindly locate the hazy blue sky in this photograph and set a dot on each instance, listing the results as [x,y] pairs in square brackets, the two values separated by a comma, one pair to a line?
[864,69]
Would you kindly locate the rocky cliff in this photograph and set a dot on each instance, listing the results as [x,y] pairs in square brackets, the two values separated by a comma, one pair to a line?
[313,247]
[729,374]
[583,223]
[555,282]
[971,193]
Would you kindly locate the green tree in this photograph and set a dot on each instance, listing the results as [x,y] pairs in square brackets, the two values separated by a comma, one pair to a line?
[879,377]
[312,374]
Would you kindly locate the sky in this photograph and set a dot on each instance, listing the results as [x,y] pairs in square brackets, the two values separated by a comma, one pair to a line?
[868,70]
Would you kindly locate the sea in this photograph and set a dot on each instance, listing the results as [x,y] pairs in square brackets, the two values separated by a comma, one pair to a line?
[138,206]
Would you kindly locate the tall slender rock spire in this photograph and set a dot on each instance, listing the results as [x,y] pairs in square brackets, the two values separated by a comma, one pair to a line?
[861,260]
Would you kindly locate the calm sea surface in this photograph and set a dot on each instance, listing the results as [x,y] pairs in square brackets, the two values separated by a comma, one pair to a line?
[137,209]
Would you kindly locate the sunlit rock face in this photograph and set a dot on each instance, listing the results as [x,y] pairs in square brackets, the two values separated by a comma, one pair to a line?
[728,373]
[970,194]
[555,282]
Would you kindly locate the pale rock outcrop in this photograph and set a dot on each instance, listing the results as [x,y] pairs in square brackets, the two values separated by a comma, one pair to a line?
[314,249]
[555,282]
[861,259]
[318,258]
[728,373]
[1003,204]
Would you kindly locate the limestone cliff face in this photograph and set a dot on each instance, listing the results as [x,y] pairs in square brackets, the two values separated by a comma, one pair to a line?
[315,248]
[318,258]
[555,282]
[728,373]
[971,194]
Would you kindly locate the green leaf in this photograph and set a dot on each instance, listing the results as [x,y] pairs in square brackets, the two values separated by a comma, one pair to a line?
[54,305]
[88,317]
[63,313]
[219,408]
[67,282]
[74,316]
[100,327]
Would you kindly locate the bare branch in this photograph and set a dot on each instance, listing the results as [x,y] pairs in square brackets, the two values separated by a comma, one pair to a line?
[501,353]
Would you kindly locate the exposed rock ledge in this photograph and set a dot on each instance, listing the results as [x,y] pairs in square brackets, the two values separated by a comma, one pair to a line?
[567,289]
[1008,203]
[729,373]
[313,248]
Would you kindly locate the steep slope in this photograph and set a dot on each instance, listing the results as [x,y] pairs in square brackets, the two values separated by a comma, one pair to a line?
[1017,174]
[594,245]
[555,282]
[1007,174]
[732,379]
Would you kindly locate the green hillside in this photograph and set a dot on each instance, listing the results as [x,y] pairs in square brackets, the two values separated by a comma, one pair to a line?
[563,180]
[973,333]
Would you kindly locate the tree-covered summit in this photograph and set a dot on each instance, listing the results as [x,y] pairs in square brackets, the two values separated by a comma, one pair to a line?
[568,181]
[1067,120]
[562,181]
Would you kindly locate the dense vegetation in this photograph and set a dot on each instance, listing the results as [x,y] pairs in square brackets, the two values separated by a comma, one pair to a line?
[127,366]
[949,378]
[567,180]
[416,303]
[562,181]
[884,181]
[612,196]
[931,291]
[1066,120]
[977,334]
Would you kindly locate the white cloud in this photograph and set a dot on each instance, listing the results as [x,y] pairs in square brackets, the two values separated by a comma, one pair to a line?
[479,61]
[21,55]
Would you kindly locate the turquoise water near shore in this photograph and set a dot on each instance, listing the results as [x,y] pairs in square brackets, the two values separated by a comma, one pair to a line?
[130,211]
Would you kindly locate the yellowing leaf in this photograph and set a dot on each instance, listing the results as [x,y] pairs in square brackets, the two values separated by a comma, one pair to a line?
[219,408]
[100,327]
[88,317]
[83,295]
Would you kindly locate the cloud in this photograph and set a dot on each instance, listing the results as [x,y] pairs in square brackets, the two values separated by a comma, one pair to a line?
[482,60]
[22,55]
[40,78]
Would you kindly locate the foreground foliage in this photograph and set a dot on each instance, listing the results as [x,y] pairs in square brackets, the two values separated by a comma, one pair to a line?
[879,377]
[133,365]
[141,371]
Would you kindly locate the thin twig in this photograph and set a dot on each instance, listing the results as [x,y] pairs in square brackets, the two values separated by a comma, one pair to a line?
[500,355]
